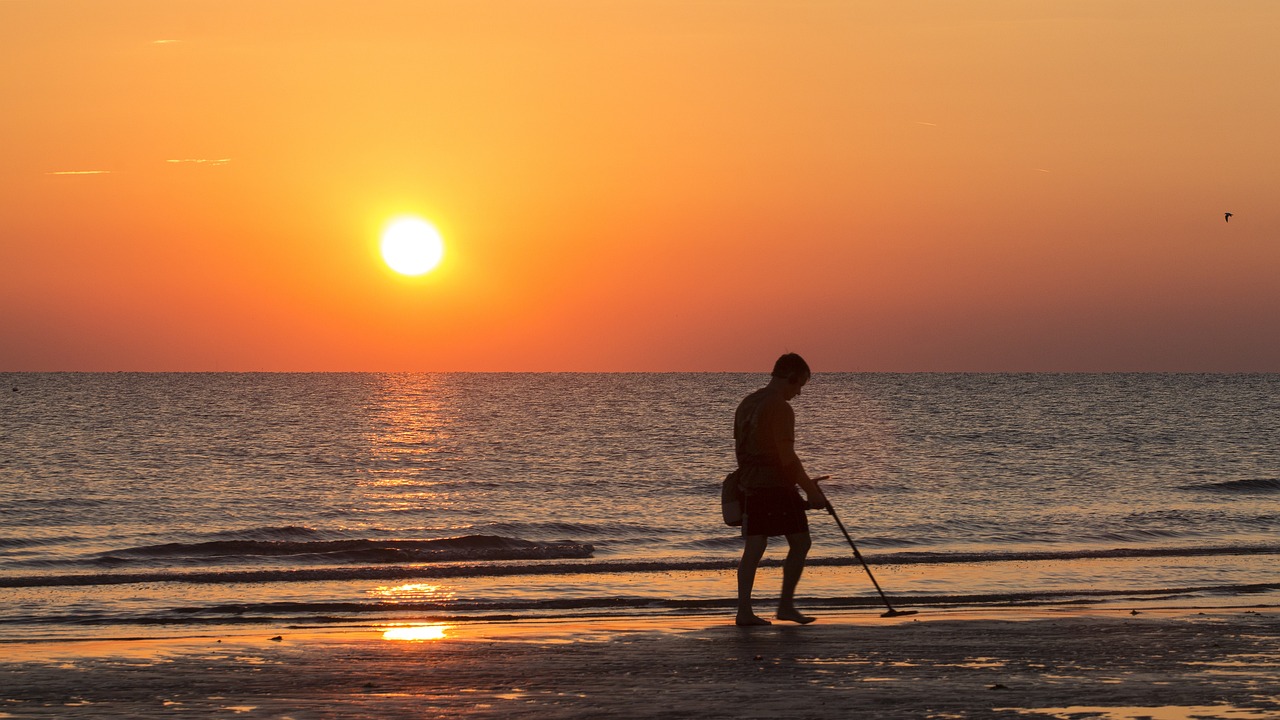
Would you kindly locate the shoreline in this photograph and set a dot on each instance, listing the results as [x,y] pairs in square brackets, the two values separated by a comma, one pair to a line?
[685,617]
[965,663]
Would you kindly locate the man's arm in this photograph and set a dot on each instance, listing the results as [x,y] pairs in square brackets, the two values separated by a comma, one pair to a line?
[786,443]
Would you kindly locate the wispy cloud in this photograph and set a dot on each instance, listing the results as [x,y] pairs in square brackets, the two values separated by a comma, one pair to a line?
[164,42]
[926,124]
[80,172]
[199,161]
[1042,170]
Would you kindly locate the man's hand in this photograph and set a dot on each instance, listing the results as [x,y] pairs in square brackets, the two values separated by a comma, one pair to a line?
[817,500]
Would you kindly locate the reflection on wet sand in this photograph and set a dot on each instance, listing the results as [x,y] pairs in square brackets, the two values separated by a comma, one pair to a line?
[416,633]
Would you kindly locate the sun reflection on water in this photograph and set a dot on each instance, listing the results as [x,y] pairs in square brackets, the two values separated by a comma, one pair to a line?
[416,633]
[412,592]
[409,429]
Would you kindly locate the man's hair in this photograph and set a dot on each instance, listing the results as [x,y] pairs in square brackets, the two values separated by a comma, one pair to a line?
[791,367]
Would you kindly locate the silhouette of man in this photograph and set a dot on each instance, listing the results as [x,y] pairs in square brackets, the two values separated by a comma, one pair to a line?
[768,473]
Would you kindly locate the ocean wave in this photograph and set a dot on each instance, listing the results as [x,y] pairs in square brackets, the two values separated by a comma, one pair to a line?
[61,503]
[269,533]
[295,613]
[7,543]
[1253,485]
[912,558]
[1134,535]
[465,548]
[560,567]
[722,542]
[614,530]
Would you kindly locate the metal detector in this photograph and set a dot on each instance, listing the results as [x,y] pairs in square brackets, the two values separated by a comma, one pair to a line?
[891,612]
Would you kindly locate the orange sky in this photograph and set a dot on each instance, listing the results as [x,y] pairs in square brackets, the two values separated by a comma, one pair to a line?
[641,184]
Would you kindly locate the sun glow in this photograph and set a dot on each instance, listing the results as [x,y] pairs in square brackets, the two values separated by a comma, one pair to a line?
[412,246]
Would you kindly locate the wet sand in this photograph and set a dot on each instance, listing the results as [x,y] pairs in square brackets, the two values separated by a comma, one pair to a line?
[1047,663]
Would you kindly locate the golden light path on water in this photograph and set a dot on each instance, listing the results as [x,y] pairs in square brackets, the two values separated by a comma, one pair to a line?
[413,632]
[412,592]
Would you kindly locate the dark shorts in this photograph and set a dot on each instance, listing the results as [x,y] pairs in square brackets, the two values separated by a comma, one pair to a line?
[774,511]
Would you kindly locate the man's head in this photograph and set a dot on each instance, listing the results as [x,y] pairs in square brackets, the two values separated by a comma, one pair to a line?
[792,368]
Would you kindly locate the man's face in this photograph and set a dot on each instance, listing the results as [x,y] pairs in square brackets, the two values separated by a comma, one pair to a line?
[793,389]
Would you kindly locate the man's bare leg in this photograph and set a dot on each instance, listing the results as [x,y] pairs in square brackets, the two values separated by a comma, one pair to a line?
[798,549]
[753,548]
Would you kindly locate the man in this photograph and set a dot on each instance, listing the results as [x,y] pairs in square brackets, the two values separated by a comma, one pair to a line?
[768,473]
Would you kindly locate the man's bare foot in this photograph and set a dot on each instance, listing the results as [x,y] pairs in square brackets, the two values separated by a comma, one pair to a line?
[749,620]
[795,616]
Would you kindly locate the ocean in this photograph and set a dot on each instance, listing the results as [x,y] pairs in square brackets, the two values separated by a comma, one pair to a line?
[143,505]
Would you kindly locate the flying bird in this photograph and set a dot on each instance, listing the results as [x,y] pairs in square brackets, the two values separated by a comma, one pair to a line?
[1228,219]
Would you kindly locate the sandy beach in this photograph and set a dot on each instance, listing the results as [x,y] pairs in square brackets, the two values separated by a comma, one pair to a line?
[1012,663]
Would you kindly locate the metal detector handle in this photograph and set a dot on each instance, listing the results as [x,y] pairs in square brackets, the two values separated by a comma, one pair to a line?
[831,509]
[892,612]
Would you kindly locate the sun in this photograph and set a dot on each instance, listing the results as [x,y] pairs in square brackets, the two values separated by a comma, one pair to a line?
[412,246]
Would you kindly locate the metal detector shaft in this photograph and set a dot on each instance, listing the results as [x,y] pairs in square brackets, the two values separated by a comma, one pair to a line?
[866,567]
